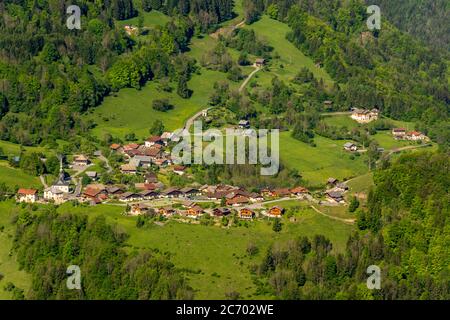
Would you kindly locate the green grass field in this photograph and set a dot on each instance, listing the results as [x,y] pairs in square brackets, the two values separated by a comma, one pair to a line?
[341,121]
[15,177]
[219,254]
[387,141]
[292,59]
[317,164]
[362,183]
[151,19]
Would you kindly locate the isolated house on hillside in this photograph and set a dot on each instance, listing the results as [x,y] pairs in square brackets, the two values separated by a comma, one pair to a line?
[80,160]
[399,133]
[260,62]
[365,116]
[246,214]
[244,124]
[349,146]
[415,136]
[276,212]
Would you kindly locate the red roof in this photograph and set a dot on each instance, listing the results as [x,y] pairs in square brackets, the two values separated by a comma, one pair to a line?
[91,192]
[179,168]
[27,191]
[131,146]
[115,146]
[154,139]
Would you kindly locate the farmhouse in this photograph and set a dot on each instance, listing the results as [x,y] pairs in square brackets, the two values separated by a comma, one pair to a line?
[131,146]
[141,161]
[415,136]
[151,177]
[365,116]
[285,192]
[149,194]
[190,192]
[92,175]
[179,170]
[54,194]
[27,195]
[91,193]
[260,62]
[195,211]
[130,196]
[80,160]
[150,142]
[116,147]
[399,133]
[349,146]
[299,191]
[167,211]
[246,214]
[276,212]
[114,191]
[172,193]
[335,197]
[220,212]
[128,169]
[138,209]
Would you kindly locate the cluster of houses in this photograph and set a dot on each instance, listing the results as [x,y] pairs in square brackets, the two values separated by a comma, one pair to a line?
[144,155]
[336,191]
[403,134]
[364,115]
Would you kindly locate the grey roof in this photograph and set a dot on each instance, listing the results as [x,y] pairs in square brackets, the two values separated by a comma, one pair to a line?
[61,180]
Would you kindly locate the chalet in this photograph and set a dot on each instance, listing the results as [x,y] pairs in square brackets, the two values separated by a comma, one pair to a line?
[328,103]
[145,186]
[153,152]
[220,212]
[149,194]
[335,196]
[91,193]
[190,192]
[114,191]
[141,161]
[256,197]
[415,136]
[244,124]
[131,146]
[150,142]
[138,209]
[27,195]
[98,186]
[237,200]
[285,192]
[131,30]
[151,177]
[167,211]
[276,212]
[80,160]
[342,187]
[188,204]
[365,116]
[128,169]
[133,152]
[399,133]
[116,147]
[260,62]
[299,191]
[166,137]
[180,170]
[349,146]
[162,162]
[195,211]
[172,193]
[130,196]
[246,214]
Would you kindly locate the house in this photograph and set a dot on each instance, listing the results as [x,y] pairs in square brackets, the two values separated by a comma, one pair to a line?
[91,193]
[246,214]
[149,194]
[128,169]
[141,161]
[138,209]
[179,170]
[299,191]
[285,192]
[150,142]
[276,212]
[166,137]
[256,197]
[190,192]
[92,175]
[237,200]
[116,147]
[27,195]
[399,133]
[162,162]
[131,30]
[151,177]
[145,186]
[172,193]
[365,116]
[55,194]
[220,212]
[131,146]
[328,103]
[349,146]
[335,196]
[260,62]
[244,124]
[342,187]
[167,211]
[195,211]
[80,160]
[153,152]
[130,196]
[415,136]
[114,191]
